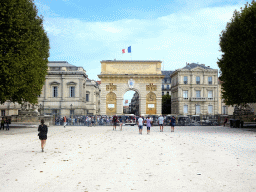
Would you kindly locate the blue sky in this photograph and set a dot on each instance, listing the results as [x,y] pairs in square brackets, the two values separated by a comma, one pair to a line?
[84,32]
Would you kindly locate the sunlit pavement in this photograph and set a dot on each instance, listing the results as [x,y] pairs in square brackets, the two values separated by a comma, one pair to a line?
[100,159]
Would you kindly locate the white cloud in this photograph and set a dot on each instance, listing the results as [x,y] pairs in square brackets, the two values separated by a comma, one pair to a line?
[178,38]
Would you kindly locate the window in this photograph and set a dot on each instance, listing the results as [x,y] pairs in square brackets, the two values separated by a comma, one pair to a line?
[167,92]
[162,93]
[198,109]
[168,86]
[197,80]
[55,91]
[210,107]
[209,80]
[224,110]
[2,113]
[162,86]
[165,80]
[185,109]
[54,111]
[185,94]
[185,79]
[210,96]
[198,94]
[87,97]
[72,91]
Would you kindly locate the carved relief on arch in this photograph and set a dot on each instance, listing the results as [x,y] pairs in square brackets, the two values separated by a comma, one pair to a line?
[151,103]
[111,103]
[151,97]
[111,96]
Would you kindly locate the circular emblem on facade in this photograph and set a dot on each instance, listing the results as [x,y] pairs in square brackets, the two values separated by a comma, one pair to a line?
[131,83]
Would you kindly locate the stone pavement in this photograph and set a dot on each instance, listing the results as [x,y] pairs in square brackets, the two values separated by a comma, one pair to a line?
[196,159]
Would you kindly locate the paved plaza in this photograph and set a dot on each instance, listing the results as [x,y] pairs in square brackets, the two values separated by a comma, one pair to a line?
[78,158]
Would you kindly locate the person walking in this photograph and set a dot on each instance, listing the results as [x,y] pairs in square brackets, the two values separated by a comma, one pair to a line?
[114,121]
[43,130]
[7,124]
[148,122]
[161,123]
[226,120]
[2,123]
[173,121]
[65,121]
[140,125]
[121,123]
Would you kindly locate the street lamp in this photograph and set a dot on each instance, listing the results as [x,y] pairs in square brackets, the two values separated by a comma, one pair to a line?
[40,107]
[71,110]
[71,113]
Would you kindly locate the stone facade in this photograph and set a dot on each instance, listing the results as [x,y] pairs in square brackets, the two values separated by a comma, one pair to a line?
[67,91]
[166,82]
[93,98]
[119,76]
[134,105]
[195,90]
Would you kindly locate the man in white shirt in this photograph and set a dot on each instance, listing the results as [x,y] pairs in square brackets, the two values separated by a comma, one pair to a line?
[161,123]
[140,124]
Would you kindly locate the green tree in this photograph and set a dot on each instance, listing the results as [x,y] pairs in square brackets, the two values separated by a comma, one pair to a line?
[238,62]
[166,104]
[24,51]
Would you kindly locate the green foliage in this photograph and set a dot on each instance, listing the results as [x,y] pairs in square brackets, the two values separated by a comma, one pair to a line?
[24,51]
[238,62]
[166,104]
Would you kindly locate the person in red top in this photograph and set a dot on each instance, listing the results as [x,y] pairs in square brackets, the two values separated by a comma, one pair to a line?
[64,120]
[114,121]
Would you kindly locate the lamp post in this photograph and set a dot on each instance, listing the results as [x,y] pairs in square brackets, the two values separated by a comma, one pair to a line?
[71,113]
[40,107]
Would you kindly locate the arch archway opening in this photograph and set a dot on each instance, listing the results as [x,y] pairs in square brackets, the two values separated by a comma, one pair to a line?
[131,102]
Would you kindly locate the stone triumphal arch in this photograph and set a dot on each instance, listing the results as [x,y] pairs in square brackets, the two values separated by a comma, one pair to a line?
[119,76]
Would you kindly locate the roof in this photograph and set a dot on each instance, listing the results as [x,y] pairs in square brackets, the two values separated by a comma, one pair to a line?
[167,73]
[131,60]
[59,64]
[194,65]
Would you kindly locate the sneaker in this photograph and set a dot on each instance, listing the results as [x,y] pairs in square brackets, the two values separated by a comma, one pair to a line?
[42,150]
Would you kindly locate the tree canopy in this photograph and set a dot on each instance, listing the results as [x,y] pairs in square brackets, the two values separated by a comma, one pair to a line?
[24,51]
[238,62]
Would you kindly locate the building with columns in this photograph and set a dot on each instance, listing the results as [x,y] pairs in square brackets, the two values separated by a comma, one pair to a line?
[67,91]
[166,82]
[195,90]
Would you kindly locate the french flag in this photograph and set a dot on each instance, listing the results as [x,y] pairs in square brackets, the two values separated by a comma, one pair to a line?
[129,50]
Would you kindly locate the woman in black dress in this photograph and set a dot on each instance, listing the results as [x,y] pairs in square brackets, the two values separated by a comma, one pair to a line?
[43,130]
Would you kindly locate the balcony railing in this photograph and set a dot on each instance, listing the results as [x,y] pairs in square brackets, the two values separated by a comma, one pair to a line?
[198,99]
[210,99]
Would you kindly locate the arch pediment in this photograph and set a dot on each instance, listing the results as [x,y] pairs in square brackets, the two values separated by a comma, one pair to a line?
[54,83]
[71,83]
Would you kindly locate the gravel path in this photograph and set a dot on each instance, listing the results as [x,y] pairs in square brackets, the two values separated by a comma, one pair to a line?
[196,159]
